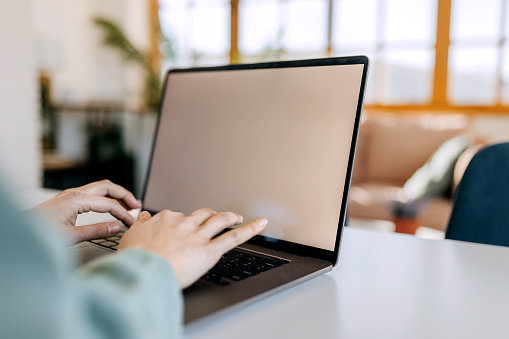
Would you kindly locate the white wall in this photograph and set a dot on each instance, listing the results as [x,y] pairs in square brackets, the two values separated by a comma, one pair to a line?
[69,48]
[20,154]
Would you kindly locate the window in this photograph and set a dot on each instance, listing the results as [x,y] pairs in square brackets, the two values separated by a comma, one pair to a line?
[200,30]
[259,29]
[282,29]
[477,51]
[399,38]
[416,61]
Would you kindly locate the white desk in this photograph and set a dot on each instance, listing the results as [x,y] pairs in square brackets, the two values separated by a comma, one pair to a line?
[385,286]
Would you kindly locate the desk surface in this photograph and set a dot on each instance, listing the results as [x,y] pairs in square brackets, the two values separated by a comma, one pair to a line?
[385,286]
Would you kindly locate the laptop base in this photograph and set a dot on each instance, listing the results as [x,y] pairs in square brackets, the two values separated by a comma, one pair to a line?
[205,300]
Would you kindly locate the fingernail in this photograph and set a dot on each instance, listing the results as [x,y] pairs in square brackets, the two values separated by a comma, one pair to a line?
[113,228]
[241,218]
[262,222]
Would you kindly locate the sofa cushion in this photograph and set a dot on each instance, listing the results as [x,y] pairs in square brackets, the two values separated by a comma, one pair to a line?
[435,177]
[398,145]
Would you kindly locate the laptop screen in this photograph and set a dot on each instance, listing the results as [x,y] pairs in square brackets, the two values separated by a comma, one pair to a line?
[265,143]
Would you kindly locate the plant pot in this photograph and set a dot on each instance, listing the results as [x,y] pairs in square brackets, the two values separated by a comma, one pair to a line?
[406,225]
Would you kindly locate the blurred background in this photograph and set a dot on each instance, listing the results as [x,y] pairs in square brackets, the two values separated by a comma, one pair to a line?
[80,85]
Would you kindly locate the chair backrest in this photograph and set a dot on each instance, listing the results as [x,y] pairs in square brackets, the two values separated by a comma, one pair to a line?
[481,203]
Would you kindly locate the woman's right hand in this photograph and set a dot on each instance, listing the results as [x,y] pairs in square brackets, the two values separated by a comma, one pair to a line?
[185,241]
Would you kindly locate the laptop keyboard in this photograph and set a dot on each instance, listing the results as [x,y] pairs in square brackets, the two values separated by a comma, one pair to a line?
[233,266]
[110,242]
[237,265]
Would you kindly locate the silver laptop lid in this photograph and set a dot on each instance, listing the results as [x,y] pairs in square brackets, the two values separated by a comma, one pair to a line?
[272,140]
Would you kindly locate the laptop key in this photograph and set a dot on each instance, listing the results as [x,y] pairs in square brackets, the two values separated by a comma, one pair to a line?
[262,268]
[238,276]
[243,271]
[229,274]
[225,265]
[113,238]
[215,279]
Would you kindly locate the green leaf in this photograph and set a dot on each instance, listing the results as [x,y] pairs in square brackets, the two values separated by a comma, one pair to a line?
[114,37]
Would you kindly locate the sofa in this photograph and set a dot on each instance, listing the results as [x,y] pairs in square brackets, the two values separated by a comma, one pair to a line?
[391,147]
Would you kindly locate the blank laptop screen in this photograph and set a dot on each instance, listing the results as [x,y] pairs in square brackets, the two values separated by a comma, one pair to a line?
[265,143]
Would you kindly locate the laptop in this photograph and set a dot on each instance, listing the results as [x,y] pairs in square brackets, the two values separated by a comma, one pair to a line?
[270,140]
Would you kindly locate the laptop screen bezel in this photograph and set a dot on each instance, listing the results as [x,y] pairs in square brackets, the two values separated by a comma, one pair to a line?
[260,240]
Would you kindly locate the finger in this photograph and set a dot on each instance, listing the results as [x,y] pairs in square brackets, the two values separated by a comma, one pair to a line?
[237,236]
[97,231]
[106,188]
[219,222]
[123,204]
[87,203]
[144,216]
[201,215]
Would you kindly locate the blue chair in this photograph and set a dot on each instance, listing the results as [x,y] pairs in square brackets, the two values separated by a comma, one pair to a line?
[481,203]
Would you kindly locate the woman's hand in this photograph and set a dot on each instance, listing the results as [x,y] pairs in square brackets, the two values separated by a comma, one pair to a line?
[186,240]
[101,196]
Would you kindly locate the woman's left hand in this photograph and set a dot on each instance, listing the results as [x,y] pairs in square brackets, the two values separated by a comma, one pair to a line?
[102,196]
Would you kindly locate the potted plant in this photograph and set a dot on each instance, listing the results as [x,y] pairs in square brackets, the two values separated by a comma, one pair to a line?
[404,216]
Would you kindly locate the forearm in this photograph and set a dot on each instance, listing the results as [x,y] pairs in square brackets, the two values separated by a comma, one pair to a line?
[130,294]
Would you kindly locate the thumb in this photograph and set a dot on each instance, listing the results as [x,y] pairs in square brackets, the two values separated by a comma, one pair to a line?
[144,216]
[96,231]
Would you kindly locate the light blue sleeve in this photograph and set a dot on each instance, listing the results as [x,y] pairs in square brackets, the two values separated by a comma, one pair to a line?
[130,294]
